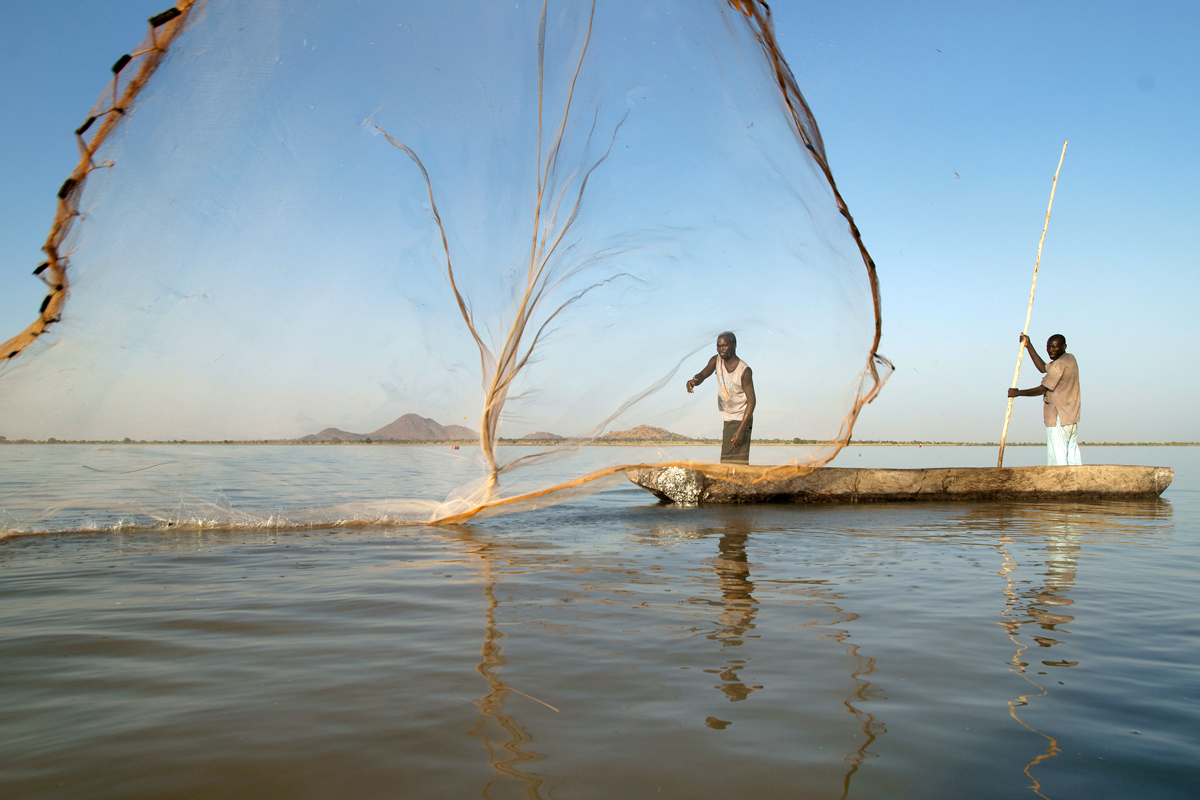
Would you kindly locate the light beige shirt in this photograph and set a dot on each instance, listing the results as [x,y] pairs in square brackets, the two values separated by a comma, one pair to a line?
[731,397]
[1062,400]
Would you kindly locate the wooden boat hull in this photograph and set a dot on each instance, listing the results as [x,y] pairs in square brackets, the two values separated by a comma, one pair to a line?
[700,484]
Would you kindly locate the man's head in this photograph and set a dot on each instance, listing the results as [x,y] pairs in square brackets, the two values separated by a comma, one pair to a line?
[1056,345]
[726,345]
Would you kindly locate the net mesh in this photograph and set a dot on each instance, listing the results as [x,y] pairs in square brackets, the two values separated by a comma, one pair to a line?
[523,219]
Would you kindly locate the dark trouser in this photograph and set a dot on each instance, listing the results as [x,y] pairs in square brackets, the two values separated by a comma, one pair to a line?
[731,454]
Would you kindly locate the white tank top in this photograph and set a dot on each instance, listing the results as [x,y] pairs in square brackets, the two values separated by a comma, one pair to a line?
[731,397]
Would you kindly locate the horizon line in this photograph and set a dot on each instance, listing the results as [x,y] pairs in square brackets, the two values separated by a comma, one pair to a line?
[582,442]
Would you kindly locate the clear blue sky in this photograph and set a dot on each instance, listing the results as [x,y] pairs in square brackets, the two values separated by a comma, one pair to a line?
[943,124]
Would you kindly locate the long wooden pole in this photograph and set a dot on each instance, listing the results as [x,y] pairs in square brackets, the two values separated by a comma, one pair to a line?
[1029,311]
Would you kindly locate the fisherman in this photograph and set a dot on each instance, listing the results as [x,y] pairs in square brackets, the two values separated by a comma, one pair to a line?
[1060,392]
[735,398]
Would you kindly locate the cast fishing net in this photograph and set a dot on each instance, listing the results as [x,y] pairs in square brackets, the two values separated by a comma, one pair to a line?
[515,218]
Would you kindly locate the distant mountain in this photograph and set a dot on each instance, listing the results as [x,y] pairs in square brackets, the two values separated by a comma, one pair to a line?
[542,436]
[644,433]
[410,427]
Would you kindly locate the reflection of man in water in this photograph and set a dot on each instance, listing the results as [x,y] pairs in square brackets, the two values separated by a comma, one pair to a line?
[1060,390]
[737,617]
[735,398]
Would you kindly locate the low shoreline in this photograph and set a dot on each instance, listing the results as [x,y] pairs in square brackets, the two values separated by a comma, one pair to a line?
[546,443]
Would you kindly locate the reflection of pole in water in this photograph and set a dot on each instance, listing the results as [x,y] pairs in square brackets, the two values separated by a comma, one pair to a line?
[507,751]
[1061,565]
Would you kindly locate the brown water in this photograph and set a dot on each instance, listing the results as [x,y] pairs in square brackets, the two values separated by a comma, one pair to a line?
[607,648]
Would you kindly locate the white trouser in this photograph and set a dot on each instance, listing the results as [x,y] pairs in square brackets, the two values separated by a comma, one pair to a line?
[1062,448]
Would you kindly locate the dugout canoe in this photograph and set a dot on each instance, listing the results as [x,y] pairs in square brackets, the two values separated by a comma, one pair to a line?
[698,484]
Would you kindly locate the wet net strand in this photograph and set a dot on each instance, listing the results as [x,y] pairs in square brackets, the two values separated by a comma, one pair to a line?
[110,110]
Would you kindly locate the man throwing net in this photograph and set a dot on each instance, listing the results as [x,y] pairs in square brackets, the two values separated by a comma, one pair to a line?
[735,398]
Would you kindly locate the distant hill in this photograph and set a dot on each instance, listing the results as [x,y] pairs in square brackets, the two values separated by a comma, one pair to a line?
[462,432]
[415,428]
[542,436]
[410,427]
[644,433]
[330,434]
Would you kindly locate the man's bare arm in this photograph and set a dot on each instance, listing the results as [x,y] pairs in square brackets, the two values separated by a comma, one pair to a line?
[1037,391]
[751,401]
[699,377]
[1037,360]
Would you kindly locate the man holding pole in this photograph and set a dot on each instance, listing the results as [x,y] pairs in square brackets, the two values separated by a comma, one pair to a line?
[1060,393]
[1051,410]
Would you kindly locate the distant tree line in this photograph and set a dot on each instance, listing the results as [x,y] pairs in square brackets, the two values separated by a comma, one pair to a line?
[544,442]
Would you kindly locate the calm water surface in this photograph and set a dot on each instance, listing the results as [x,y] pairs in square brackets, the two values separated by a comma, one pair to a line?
[610,647]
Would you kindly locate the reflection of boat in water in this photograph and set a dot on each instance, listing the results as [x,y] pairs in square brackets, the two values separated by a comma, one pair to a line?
[728,483]
[732,640]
